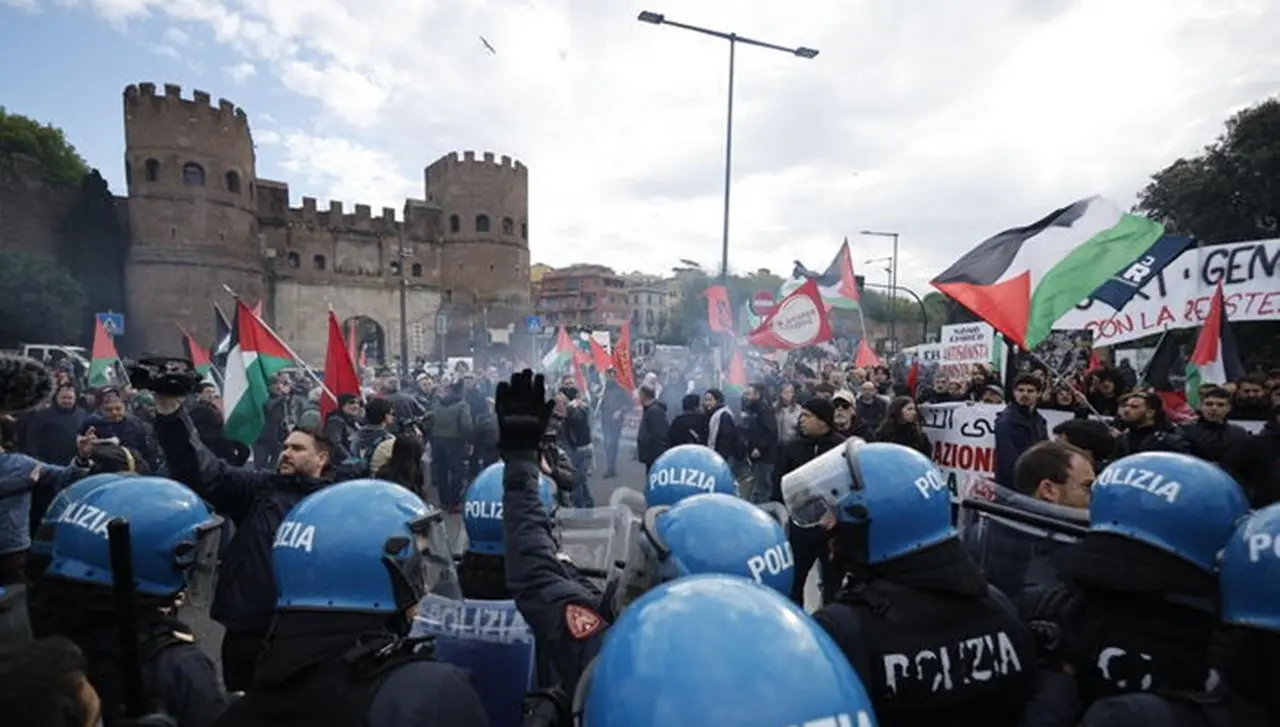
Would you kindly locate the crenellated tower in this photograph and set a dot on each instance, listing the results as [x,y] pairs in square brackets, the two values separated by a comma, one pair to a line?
[190,171]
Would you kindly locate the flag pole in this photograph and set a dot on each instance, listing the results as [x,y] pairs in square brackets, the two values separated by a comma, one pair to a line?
[310,372]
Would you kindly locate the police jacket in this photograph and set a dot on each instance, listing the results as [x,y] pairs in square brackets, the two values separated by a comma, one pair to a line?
[568,616]
[177,676]
[344,670]
[1211,441]
[934,650]
[255,501]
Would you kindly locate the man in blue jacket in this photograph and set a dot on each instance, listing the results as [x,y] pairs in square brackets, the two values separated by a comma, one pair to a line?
[1018,427]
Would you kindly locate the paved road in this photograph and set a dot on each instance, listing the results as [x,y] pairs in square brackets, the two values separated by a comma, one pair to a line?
[630,474]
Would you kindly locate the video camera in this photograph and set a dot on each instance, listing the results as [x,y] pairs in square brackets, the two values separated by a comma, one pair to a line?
[165,376]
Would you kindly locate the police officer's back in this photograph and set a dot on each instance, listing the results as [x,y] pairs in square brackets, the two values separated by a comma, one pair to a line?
[933,642]
[351,563]
[1137,611]
[256,501]
[174,544]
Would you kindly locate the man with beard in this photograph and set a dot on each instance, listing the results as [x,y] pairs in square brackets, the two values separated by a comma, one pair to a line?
[1147,427]
[256,501]
[816,437]
[1252,401]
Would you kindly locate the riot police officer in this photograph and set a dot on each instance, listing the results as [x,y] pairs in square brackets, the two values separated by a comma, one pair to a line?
[568,616]
[351,563]
[687,470]
[481,572]
[719,650]
[1249,580]
[174,540]
[914,615]
[1137,611]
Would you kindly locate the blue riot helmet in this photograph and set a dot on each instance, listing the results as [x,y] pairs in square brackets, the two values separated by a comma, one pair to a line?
[895,493]
[1175,503]
[363,545]
[1249,572]
[692,652]
[173,533]
[42,538]
[686,470]
[482,509]
[712,533]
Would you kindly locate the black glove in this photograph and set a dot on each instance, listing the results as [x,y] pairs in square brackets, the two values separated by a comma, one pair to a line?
[523,412]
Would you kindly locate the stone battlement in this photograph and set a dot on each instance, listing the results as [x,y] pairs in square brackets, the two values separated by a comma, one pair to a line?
[144,96]
[488,163]
[415,220]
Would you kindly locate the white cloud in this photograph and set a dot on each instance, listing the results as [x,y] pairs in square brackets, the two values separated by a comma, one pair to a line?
[27,5]
[943,121]
[241,72]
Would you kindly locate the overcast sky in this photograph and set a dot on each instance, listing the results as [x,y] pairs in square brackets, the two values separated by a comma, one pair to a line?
[942,120]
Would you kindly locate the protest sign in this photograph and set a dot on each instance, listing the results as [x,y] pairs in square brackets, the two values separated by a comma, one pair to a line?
[964,443]
[1179,295]
[961,346]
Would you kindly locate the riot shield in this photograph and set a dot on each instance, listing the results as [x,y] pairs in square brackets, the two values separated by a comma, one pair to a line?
[1013,540]
[777,511]
[631,499]
[15,626]
[597,540]
[491,640]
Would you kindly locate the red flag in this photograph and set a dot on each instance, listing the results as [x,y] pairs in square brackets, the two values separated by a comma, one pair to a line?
[913,377]
[622,359]
[719,313]
[1095,363]
[600,357]
[866,357]
[199,356]
[737,370]
[339,370]
[799,320]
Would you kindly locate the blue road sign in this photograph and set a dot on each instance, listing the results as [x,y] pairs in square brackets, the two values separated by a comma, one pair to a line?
[533,323]
[112,322]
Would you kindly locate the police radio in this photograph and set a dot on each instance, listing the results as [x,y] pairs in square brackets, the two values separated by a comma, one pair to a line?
[136,709]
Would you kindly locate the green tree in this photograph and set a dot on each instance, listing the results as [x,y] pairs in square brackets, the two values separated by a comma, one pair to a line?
[58,159]
[1231,191]
[40,302]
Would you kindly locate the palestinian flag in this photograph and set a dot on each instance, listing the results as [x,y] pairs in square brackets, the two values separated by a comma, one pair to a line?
[198,357]
[1215,360]
[256,356]
[103,359]
[1023,280]
[561,354]
[837,285]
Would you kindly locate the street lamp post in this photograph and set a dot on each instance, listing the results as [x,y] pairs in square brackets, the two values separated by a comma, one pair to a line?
[893,279]
[734,39]
[402,254]
[888,279]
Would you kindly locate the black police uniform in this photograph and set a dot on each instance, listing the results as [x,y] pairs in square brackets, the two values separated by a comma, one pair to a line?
[567,616]
[316,671]
[177,676]
[931,658]
[245,599]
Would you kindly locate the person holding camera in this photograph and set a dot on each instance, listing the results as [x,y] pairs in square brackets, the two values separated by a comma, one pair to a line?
[256,501]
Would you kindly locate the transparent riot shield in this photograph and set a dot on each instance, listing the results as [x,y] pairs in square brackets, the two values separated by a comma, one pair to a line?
[1014,540]
[777,511]
[629,498]
[597,540]
[491,640]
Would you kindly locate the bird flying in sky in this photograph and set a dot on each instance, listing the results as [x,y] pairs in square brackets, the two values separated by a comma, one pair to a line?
[488,46]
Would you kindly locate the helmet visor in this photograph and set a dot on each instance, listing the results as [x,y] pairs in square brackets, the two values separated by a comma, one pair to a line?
[200,559]
[812,492]
[649,564]
[427,566]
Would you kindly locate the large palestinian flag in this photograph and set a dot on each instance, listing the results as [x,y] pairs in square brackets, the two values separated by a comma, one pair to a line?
[1023,280]
[837,284]
[256,356]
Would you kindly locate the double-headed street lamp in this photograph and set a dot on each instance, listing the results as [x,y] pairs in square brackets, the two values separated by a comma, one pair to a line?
[734,39]
[893,278]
